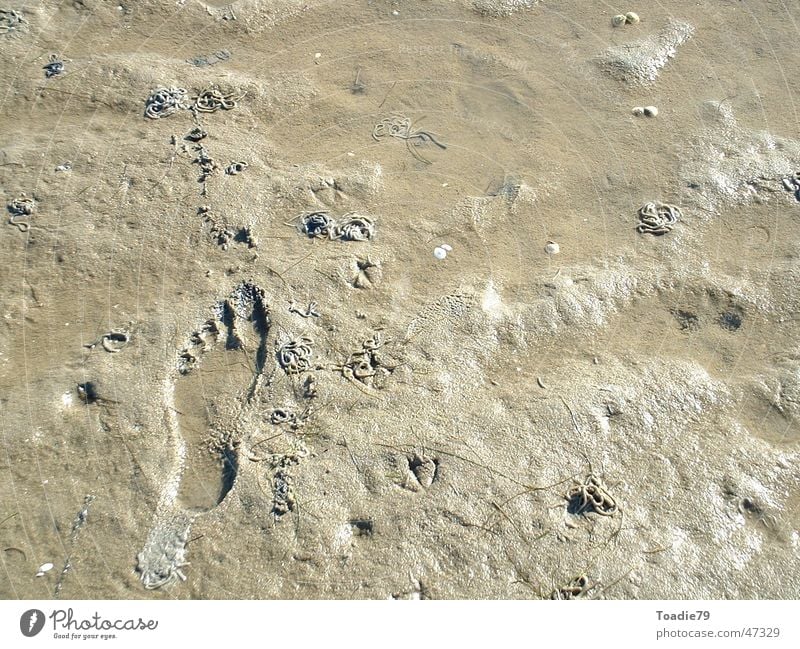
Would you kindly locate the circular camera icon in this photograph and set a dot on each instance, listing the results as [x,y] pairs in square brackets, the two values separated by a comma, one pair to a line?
[31,622]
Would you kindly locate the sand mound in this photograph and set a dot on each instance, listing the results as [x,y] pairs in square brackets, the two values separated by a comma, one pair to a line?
[640,62]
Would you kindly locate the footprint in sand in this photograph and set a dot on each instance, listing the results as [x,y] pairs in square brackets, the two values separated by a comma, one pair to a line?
[205,399]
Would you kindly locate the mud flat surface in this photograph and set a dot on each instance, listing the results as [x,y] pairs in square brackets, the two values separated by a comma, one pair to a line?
[205,392]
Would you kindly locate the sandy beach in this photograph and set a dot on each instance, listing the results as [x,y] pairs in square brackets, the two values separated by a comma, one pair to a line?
[373,299]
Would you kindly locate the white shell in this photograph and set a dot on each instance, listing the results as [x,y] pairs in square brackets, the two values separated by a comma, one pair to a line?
[618,20]
[439,253]
[447,247]
[638,110]
[651,111]
[45,567]
[552,248]
[631,18]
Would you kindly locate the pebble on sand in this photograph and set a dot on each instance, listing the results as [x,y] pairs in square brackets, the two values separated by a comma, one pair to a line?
[648,111]
[552,248]
[440,251]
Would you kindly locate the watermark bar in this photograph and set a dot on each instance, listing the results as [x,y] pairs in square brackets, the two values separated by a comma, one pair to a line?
[399,624]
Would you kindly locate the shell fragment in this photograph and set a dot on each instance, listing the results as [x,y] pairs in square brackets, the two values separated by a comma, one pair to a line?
[45,567]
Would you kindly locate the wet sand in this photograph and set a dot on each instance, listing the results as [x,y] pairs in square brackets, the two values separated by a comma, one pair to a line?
[619,420]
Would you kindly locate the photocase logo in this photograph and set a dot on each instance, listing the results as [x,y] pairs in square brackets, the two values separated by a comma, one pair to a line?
[31,622]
